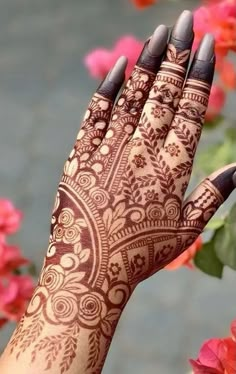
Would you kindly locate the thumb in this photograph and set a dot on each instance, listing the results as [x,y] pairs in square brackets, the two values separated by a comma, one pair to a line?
[208,196]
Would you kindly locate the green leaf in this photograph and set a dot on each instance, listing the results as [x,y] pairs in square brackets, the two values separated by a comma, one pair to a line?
[223,154]
[210,125]
[231,219]
[207,261]
[225,245]
[215,224]
[231,133]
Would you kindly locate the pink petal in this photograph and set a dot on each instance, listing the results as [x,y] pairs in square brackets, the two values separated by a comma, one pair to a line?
[98,62]
[209,354]
[198,368]
[233,329]
[8,293]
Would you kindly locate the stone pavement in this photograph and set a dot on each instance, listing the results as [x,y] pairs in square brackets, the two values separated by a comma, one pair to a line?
[44,90]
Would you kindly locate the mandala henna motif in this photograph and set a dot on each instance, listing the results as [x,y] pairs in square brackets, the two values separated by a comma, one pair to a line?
[119,214]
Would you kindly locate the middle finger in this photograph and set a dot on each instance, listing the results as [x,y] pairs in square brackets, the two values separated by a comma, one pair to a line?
[166,91]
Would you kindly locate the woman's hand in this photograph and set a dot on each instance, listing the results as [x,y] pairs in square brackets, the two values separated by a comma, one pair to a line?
[121,213]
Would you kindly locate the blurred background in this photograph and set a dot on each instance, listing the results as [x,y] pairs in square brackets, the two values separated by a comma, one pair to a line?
[44,91]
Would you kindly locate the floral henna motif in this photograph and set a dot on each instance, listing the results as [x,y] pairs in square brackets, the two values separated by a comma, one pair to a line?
[119,214]
[172,149]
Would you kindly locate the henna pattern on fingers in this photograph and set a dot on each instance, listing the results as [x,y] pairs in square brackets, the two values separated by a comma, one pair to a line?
[119,214]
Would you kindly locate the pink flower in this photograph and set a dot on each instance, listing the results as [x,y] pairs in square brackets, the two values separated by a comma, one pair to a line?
[14,296]
[233,330]
[216,102]
[219,19]
[101,60]
[10,218]
[216,356]
[227,72]
[11,259]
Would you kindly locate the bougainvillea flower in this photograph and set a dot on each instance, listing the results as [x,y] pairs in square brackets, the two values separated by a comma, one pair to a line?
[233,330]
[208,358]
[219,19]
[216,102]
[10,217]
[217,356]
[14,296]
[143,3]
[185,259]
[11,259]
[101,60]
[227,72]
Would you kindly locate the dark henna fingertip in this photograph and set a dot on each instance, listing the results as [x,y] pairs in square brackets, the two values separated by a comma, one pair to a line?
[111,85]
[157,43]
[183,29]
[226,182]
[203,64]
[206,49]
[153,50]
[234,179]
[202,70]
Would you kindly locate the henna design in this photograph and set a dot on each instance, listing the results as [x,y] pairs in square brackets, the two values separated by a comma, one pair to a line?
[118,215]
[186,137]
[94,352]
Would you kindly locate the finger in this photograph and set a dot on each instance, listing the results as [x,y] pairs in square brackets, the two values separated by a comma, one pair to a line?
[126,113]
[204,201]
[130,103]
[185,131]
[98,114]
[166,91]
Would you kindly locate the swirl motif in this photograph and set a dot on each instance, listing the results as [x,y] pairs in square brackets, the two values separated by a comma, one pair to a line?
[52,277]
[155,211]
[66,217]
[119,294]
[72,234]
[39,297]
[92,309]
[99,196]
[172,208]
[58,233]
[86,180]
[61,307]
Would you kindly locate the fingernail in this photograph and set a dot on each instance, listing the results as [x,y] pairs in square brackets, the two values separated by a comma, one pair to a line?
[225,182]
[183,29]
[234,179]
[206,49]
[157,43]
[112,83]
[117,73]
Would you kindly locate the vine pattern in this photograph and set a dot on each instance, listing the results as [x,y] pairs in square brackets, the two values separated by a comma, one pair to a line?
[118,215]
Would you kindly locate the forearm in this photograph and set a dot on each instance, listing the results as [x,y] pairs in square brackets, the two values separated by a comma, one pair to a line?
[38,346]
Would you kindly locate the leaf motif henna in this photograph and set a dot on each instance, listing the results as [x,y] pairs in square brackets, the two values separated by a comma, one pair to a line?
[182,169]
[118,215]
[177,57]
[94,348]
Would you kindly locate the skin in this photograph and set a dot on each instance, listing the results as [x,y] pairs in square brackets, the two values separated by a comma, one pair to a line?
[121,213]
